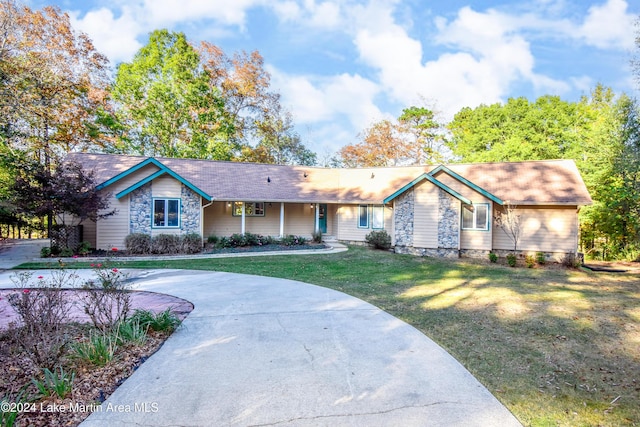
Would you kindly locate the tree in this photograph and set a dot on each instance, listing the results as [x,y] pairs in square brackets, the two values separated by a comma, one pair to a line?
[412,139]
[166,106]
[548,128]
[424,135]
[52,82]
[68,194]
[381,146]
[244,84]
[279,143]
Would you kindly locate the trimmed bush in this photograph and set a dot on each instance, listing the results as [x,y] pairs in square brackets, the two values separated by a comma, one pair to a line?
[512,260]
[138,243]
[292,240]
[530,261]
[165,244]
[541,258]
[379,239]
[213,239]
[191,243]
[493,257]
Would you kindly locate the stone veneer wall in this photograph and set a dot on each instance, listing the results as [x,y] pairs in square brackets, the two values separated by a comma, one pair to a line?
[140,210]
[403,219]
[448,221]
[190,211]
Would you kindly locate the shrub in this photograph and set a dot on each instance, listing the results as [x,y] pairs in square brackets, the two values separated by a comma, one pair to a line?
[512,259]
[224,242]
[378,239]
[45,252]
[191,243]
[99,349]
[56,383]
[493,257]
[163,321]
[212,239]
[165,244]
[530,261]
[237,240]
[541,258]
[317,236]
[292,240]
[43,313]
[138,243]
[570,260]
[66,253]
[107,300]
[83,248]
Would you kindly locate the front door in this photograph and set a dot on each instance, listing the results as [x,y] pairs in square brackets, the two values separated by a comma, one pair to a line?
[322,218]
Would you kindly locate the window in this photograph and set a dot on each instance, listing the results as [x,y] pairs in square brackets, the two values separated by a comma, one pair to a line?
[363,216]
[250,208]
[166,212]
[475,217]
[377,217]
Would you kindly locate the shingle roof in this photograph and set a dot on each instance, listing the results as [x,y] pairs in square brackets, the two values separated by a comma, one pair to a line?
[550,182]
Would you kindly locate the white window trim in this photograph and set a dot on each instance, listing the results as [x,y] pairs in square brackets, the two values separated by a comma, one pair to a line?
[373,209]
[475,211]
[368,216]
[166,207]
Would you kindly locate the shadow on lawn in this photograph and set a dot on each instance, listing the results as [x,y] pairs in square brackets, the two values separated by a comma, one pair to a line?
[570,339]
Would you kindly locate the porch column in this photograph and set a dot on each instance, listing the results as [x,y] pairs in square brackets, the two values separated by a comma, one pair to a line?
[317,217]
[281,219]
[242,222]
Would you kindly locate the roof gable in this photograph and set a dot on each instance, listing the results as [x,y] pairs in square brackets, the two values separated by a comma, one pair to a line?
[431,178]
[162,170]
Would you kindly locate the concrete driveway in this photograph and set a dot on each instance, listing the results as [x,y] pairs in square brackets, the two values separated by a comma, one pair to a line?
[16,251]
[260,351]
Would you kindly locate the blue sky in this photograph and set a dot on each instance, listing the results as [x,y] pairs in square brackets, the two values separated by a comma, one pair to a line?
[341,65]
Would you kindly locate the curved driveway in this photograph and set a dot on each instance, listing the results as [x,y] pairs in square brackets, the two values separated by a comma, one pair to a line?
[260,351]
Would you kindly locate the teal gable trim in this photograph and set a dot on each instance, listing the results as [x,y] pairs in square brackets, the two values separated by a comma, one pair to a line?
[129,171]
[163,170]
[466,182]
[432,180]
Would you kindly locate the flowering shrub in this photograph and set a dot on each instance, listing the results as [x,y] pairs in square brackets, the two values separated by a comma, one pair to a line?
[42,312]
[107,300]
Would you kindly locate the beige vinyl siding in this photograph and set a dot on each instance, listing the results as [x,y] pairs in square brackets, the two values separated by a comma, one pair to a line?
[89,232]
[347,222]
[425,216]
[111,231]
[545,229]
[299,219]
[167,187]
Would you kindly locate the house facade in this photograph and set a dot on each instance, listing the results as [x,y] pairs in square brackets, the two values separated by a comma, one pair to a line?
[428,210]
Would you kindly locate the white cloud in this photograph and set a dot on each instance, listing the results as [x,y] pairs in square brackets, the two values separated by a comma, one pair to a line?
[114,37]
[608,26]
[167,12]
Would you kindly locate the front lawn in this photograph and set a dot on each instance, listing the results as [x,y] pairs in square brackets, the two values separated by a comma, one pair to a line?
[556,347]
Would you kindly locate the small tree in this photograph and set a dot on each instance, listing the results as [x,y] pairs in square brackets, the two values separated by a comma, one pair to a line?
[511,223]
[67,195]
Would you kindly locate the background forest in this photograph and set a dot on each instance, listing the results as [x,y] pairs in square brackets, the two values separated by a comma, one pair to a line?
[185,98]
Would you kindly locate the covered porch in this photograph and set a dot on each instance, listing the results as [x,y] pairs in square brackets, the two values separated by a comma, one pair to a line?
[276,218]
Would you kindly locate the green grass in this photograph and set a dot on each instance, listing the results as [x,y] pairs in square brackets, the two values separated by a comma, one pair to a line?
[557,347]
